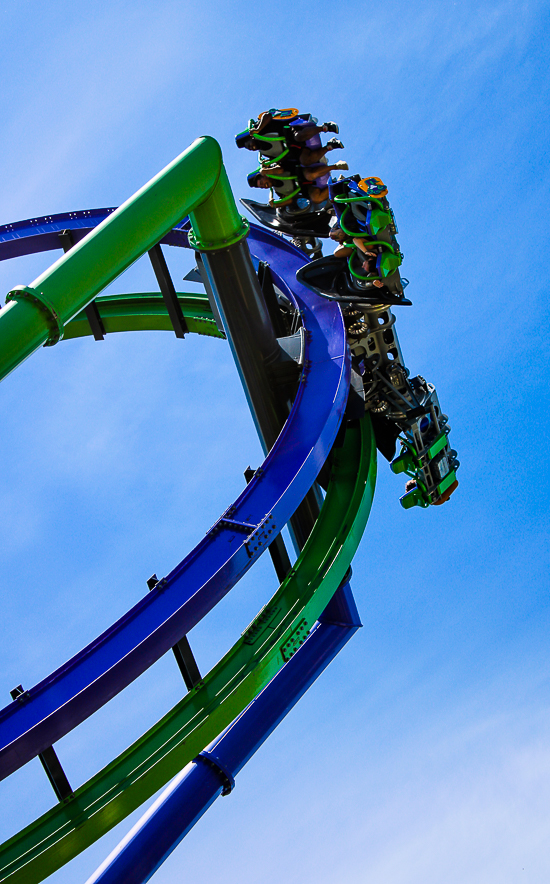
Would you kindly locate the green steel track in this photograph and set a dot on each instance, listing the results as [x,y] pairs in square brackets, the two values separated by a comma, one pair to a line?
[270,640]
[146,312]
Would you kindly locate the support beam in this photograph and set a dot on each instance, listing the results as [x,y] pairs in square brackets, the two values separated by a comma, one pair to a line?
[91,311]
[183,653]
[237,300]
[55,773]
[235,294]
[194,184]
[187,663]
[168,291]
[48,758]
[266,284]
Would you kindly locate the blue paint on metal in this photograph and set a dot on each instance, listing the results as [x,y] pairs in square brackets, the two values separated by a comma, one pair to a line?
[42,234]
[82,685]
[225,775]
[193,791]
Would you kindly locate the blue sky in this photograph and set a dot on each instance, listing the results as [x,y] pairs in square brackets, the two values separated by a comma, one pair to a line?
[421,756]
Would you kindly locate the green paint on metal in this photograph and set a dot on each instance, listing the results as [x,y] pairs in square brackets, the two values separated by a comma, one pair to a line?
[404,463]
[32,296]
[145,312]
[447,482]
[151,761]
[215,220]
[436,446]
[195,183]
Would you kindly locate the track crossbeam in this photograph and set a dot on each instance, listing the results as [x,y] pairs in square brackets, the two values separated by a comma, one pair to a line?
[49,760]
[168,291]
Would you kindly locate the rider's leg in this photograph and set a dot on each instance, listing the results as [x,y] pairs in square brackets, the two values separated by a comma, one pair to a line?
[309,131]
[310,156]
[317,194]
[310,173]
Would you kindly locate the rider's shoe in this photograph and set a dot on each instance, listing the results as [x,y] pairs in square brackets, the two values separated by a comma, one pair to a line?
[341,164]
[335,144]
[331,127]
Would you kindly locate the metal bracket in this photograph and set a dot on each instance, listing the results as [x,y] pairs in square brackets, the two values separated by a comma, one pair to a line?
[293,347]
[182,652]
[194,276]
[261,536]
[206,245]
[246,527]
[261,623]
[50,761]
[277,548]
[297,638]
[168,291]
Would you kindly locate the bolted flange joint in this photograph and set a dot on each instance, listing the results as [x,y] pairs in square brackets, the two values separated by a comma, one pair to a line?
[203,245]
[25,293]
[225,775]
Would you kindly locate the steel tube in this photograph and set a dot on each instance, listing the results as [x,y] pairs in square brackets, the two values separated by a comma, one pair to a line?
[194,178]
[240,303]
[192,792]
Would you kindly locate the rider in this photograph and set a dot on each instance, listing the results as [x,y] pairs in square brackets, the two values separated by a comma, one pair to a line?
[365,231]
[292,157]
[281,134]
[289,183]
[362,203]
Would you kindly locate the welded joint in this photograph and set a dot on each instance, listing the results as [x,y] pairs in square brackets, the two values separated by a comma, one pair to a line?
[305,371]
[261,623]
[204,245]
[25,293]
[225,775]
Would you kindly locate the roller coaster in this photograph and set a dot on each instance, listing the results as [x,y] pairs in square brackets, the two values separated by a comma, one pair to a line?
[303,358]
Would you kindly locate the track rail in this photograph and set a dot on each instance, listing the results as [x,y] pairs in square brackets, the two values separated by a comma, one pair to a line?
[191,793]
[147,765]
[102,669]
[159,620]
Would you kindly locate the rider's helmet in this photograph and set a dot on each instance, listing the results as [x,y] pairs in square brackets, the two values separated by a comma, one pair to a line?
[374,187]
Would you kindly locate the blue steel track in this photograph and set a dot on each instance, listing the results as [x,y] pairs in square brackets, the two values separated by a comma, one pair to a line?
[146,632]
[194,790]
[91,678]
